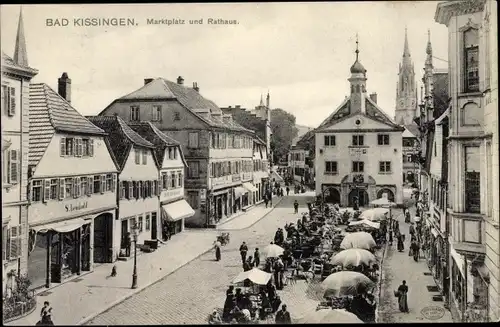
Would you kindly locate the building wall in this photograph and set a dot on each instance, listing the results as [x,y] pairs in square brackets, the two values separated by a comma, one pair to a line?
[14,198]
[344,155]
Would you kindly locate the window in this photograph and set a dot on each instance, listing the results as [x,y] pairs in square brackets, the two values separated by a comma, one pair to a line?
[54,187]
[137,156]
[131,190]
[193,140]
[407,143]
[173,180]
[193,199]
[109,183]
[471,60]
[156,113]
[155,188]
[144,157]
[358,140]
[134,113]
[97,184]
[175,153]
[164,184]
[331,167]
[140,224]
[329,140]
[12,172]
[36,191]
[87,147]
[384,167]
[472,180]
[9,100]
[123,190]
[12,242]
[358,166]
[193,169]
[70,143]
[148,222]
[180,179]
[68,188]
[383,139]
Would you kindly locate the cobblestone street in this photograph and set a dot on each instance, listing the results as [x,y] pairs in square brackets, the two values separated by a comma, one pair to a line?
[190,294]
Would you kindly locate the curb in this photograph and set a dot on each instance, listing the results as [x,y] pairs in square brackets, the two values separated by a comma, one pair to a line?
[380,282]
[136,291]
[265,215]
[115,303]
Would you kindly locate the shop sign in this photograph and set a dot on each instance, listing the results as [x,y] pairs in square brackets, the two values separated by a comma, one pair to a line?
[76,207]
[236,178]
[216,181]
[247,176]
[173,193]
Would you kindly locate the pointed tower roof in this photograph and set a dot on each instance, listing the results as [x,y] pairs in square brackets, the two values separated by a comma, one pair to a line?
[428,50]
[406,50]
[357,67]
[261,101]
[20,53]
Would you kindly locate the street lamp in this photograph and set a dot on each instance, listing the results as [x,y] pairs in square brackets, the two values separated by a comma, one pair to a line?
[135,233]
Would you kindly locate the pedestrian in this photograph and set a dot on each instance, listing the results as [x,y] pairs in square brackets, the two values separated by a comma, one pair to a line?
[271,199]
[228,304]
[256,257]
[296,206]
[214,318]
[271,291]
[401,238]
[283,316]
[250,261]
[127,243]
[278,273]
[412,229]
[217,251]
[266,200]
[46,315]
[407,216]
[243,252]
[415,250]
[402,295]
[287,191]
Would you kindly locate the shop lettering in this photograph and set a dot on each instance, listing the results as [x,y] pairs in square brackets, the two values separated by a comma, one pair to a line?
[75,207]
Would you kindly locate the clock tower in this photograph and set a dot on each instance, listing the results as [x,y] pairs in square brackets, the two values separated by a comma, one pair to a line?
[406,89]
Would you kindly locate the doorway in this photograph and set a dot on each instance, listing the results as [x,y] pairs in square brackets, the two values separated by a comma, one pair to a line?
[361,195]
[103,238]
[154,226]
[333,196]
[124,234]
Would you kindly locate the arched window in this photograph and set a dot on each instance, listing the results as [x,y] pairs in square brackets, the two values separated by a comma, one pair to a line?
[471,60]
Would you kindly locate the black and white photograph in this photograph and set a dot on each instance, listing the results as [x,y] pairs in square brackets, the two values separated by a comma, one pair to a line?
[250,163]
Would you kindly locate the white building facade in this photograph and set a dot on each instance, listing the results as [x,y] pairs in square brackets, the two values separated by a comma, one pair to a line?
[358,149]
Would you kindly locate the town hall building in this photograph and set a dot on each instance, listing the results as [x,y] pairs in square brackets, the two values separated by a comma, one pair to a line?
[358,149]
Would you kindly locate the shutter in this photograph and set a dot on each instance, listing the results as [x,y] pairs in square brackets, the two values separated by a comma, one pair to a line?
[7,247]
[14,245]
[169,177]
[113,183]
[63,146]
[121,190]
[91,147]
[158,187]
[103,183]
[12,107]
[61,189]
[78,147]
[14,166]
[46,190]
[90,188]
[130,190]
[76,187]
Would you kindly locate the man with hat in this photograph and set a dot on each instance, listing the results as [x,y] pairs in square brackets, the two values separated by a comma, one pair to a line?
[283,316]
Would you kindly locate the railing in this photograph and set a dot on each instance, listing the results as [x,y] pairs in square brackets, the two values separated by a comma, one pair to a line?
[16,310]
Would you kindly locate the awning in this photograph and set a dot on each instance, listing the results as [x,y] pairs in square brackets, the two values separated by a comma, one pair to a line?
[434,232]
[61,227]
[177,210]
[5,220]
[250,187]
[458,260]
[239,191]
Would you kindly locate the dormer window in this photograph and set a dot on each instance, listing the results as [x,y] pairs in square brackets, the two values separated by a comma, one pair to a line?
[134,113]
[471,60]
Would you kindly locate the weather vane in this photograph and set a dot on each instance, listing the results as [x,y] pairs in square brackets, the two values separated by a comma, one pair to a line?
[357,50]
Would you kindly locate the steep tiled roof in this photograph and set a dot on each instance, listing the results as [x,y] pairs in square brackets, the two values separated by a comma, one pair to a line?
[371,110]
[120,138]
[413,129]
[49,113]
[248,120]
[162,89]
[440,93]
[8,61]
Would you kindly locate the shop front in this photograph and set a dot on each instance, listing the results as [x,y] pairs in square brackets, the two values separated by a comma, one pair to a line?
[240,194]
[58,251]
[251,193]
[220,205]
[173,215]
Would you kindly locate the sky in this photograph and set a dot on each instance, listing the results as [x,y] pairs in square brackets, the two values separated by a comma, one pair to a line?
[299,52]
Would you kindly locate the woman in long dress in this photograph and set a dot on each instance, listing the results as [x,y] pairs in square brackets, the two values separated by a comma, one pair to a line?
[401,246]
[403,297]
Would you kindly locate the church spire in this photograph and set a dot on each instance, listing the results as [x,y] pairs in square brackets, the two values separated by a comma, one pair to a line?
[357,49]
[20,54]
[261,101]
[428,50]
[406,50]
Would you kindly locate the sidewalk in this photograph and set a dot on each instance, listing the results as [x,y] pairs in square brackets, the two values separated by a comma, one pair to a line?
[398,266]
[83,298]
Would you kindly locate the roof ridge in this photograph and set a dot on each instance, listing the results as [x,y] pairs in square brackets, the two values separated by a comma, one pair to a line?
[123,125]
[49,110]
[380,110]
[160,133]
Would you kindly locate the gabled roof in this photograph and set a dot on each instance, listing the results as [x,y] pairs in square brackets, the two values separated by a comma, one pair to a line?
[248,120]
[50,113]
[372,111]
[163,89]
[259,140]
[121,138]
[413,129]
[8,62]
[160,140]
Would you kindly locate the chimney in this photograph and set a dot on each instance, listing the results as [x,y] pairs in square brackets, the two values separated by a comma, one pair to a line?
[195,87]
[373,96]
[237,106]
[148,80]
[64,87]
[180,80]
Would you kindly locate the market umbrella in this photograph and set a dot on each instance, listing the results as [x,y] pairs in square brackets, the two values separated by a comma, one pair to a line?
[365,222]
[353,258]
[329,316]
[273,251]
[374,214]
[345,283]
[255,275]
[358,240]
[383,201]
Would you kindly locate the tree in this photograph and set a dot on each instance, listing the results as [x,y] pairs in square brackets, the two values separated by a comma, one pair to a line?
[283,132]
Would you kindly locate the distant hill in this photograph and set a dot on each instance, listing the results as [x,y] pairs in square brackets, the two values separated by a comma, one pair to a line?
[302,130]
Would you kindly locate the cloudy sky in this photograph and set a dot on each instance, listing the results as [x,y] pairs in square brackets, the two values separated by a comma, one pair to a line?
[300,52]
